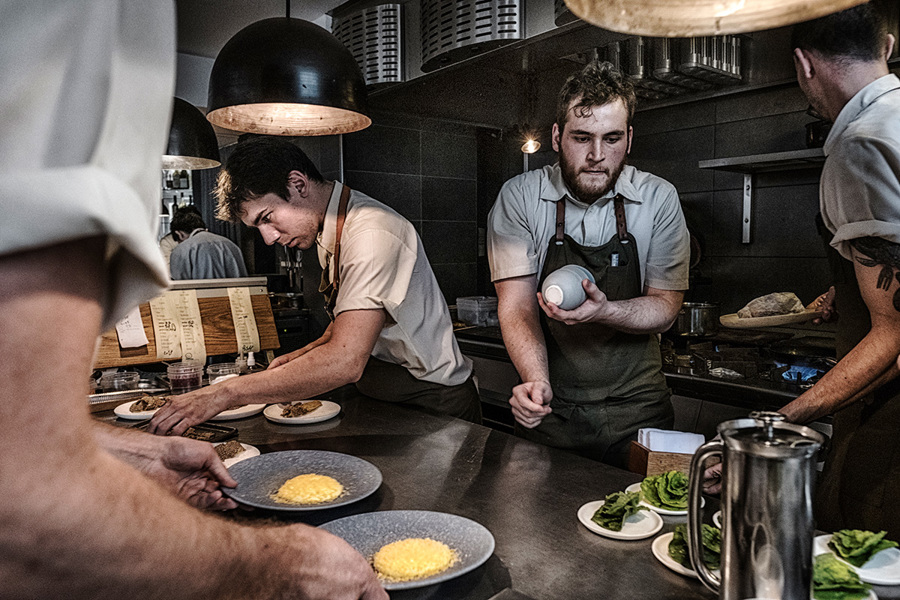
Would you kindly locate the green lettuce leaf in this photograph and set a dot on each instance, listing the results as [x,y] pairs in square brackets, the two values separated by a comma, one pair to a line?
[834,580]
[857,547]
[712,546]
[617,507]
[667,490]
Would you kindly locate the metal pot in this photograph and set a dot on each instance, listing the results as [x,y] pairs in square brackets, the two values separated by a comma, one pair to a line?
[697,319]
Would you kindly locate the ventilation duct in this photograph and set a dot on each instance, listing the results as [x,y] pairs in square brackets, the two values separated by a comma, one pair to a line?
[374,37]
[453,30]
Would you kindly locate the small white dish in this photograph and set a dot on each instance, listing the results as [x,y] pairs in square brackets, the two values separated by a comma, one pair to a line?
[636,487]
[717,519]
[323,413]
[660,549]
[882,569]
[123,411]
[636,527]
[249,452]
[248,410]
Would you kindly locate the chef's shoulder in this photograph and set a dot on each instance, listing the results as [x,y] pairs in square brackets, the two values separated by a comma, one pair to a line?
[522,193]
[368,215]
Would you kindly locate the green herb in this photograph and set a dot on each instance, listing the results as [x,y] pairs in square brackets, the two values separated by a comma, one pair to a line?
[858,547]
[617,507]
[667,490]
[712,546]
[834,580]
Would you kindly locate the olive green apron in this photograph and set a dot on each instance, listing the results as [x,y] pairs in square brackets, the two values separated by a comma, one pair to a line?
[389,382]
[606,384]
[860,484]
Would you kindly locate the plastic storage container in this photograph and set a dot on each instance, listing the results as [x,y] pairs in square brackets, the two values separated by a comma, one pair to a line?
[184,376]
[477,310]
[113,382]
[222,371]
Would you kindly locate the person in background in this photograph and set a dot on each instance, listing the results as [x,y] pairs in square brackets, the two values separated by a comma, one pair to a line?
[91,512]
[841,64]
[591,376]
[201,254]
[390,332]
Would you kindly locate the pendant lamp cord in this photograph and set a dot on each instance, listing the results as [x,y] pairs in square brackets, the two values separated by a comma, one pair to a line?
[287,8]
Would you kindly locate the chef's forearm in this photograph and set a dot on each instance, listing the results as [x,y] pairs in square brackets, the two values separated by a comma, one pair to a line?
[869,365]
[522,334]
[651,313]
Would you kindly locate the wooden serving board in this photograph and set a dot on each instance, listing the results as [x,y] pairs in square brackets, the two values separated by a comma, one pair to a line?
[737,322]
[218,333]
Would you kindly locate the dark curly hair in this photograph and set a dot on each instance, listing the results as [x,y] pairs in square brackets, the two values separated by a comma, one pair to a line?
[598,83]
[257,167]
[186,219]
[858,33]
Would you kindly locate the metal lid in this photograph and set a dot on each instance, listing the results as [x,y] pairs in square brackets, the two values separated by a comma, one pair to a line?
[769,435]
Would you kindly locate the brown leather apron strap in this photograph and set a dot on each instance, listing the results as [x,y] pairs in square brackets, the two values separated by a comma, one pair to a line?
[341,216]
[560,221]
[621,225]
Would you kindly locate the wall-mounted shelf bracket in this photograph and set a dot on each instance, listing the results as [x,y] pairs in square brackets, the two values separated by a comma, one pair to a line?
[810,158]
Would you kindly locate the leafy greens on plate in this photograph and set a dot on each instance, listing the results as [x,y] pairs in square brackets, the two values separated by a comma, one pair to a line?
[617,507]
[667,490]
[712,546]
[857,547]
[834,580]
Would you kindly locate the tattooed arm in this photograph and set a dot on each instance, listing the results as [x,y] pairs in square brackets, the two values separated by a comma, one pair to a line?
[872,362]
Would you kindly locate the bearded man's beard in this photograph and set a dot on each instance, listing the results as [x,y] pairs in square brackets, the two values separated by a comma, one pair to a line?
[585,191]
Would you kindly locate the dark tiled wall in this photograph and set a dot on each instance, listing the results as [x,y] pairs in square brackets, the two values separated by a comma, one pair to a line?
[785,253]
[427,171]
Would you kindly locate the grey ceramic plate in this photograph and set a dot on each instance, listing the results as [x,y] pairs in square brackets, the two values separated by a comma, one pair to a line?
[260,477]
[368,532]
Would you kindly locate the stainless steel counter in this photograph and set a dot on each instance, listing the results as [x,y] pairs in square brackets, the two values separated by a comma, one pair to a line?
[527,496]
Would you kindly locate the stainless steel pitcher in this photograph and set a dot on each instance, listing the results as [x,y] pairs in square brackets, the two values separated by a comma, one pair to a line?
[768,473]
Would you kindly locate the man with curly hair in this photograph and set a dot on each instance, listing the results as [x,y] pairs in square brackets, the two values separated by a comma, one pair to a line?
[591,376]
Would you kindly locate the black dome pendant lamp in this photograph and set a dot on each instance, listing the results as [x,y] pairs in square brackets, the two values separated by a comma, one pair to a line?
[192,139]
[284,76]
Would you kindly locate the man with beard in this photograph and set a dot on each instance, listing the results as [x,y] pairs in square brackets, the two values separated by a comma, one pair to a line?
[591,376]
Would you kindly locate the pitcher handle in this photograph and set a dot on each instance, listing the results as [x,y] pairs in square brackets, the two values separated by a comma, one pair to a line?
[695,516]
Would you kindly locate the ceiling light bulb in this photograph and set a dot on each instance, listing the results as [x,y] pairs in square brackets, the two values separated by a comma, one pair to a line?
[531,146]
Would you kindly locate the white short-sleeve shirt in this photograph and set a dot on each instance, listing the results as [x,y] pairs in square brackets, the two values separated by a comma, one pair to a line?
[383,266]
[860,187]
[523,221]
[85,102]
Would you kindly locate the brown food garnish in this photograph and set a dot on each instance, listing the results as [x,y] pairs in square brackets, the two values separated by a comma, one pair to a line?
[203,436]
[300,408]
[148,402]
[229,449]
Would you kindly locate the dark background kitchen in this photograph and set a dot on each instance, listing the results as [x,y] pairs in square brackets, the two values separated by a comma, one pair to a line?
[443,142]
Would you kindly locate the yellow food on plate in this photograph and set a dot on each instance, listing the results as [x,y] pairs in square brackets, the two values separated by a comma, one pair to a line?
[413,558]
[309,488]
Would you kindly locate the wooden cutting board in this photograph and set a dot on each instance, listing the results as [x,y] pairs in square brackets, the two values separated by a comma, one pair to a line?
[737,322]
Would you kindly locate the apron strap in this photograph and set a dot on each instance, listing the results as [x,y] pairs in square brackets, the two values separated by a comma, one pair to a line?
[341,216]
[560,221]
[621,225]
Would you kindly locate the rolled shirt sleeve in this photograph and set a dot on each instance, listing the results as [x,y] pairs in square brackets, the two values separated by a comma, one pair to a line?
[669,255]
[511,245]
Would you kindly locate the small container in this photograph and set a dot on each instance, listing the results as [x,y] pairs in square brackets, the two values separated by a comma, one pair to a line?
[563,286]
[113,382]
[222,371]
[477,310]
[186,375]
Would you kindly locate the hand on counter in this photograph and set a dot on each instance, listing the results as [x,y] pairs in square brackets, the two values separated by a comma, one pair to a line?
[531,402]
[193,471]
[185,410]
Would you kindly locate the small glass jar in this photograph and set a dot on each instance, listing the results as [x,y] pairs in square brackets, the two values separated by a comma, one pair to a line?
[114,382]
[222,371]
[184,376]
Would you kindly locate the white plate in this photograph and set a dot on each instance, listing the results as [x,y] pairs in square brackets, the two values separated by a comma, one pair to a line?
[122,411]
[248,410]
[636,527]
[660,549]
[737,322]
[249,452]
[882,569]
[717,519]
[636,487]
[323,413]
